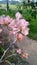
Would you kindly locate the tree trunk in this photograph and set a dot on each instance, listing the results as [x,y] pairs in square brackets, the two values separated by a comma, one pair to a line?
[7,5]
[28,1]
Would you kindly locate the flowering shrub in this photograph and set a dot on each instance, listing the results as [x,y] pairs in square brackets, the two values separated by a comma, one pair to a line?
[12,30]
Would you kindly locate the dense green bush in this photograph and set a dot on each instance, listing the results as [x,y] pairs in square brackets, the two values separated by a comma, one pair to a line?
[11,13]
[31,16]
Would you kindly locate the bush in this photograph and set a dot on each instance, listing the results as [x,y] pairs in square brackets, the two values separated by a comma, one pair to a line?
[11,30]
[11,13]
[31,16]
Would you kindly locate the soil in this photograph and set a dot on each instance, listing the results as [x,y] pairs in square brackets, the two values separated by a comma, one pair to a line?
[29,46]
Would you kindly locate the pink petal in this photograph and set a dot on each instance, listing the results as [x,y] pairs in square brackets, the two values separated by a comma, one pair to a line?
[19,51]
[25,31]
[18,15]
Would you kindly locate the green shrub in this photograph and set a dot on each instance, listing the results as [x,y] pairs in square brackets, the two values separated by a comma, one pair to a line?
[31,16]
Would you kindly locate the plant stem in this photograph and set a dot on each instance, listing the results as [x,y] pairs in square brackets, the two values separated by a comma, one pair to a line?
[6,50]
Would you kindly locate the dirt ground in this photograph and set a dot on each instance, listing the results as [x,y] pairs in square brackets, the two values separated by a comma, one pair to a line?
[29,46]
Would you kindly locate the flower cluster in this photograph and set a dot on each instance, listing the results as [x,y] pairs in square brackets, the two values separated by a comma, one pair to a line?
[24,55]
[18,26]
[12,30]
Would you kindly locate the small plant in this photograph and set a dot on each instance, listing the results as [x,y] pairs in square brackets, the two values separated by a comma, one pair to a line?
[12,30]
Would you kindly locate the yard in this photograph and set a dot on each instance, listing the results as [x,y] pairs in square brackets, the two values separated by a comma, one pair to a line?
[11,52]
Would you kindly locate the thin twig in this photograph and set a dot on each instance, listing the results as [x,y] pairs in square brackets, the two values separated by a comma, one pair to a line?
[8,62]
[7,50]
[10,56]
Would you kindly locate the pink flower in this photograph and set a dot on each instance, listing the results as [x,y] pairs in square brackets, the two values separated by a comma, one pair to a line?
[25,55]
[17,25]
[25,31]
[7,19]
[15,31]
[12,24]
[19,51]
[0,30]
[23,22]
[19,36]
[18,15]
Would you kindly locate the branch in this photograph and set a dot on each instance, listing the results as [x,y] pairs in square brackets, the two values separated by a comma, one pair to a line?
[7,50]
[4,53]
[8,62]
[10,56]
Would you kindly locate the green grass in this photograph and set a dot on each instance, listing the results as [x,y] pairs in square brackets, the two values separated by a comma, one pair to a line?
[30,16]
[10,6]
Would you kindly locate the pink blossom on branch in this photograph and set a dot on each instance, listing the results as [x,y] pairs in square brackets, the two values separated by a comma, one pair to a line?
[25,55]
[16,26]
[5,20]
[19,36]
[18,15]
[25,31]
[8,19]
[23,22]
[12,30]
[19,51]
